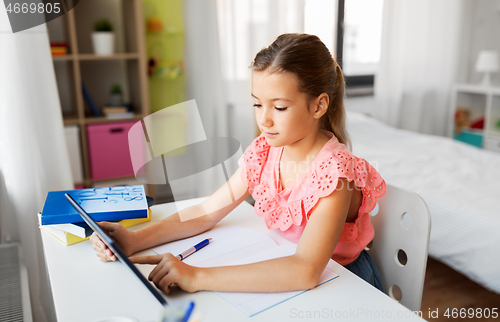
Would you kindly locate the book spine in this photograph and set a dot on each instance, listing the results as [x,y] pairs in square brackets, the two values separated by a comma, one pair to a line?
[63,219]
[90,101]
[98,216]
[130,214]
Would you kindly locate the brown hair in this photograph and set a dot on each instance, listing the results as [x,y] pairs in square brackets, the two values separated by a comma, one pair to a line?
[307,57]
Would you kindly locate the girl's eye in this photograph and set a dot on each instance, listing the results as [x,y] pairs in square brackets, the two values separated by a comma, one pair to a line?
[281,108]
[257,105]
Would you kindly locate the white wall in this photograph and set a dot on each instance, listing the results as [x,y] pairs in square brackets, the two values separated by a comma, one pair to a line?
[483,22]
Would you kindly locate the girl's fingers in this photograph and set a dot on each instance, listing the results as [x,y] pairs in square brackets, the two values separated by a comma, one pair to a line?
[107,252]
[155,259]
[97,249]
[106,225]
[94,239]
[155,271]
[160,275]
[166,283]
[102,257]
[102,251]
[101,244]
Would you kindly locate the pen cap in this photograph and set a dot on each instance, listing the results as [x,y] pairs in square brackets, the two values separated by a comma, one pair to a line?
[178,312]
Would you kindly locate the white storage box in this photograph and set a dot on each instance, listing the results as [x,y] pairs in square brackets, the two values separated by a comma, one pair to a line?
[73,143]
[492,143]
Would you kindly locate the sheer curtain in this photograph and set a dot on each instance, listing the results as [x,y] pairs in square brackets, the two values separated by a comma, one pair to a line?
[33,156]
[222,38]
[245,27]
[203,84]
[419,63]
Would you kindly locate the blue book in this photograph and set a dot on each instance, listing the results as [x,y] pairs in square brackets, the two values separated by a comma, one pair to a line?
[90,101]
[102,204]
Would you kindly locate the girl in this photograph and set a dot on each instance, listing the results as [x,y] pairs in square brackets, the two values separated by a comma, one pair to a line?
[305,182]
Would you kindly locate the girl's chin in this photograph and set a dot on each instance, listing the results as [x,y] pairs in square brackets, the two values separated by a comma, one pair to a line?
[273,142]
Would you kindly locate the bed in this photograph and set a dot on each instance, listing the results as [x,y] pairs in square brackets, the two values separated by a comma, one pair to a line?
[460,184]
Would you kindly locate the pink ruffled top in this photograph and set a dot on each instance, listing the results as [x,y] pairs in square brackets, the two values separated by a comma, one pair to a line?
[288,210]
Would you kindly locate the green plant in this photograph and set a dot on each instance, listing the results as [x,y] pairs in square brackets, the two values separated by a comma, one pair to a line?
[116,89]
[103,25]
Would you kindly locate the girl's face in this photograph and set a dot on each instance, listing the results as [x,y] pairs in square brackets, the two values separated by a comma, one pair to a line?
[281,109]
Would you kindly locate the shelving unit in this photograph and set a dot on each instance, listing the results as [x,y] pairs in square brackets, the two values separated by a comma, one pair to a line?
[481,101]
[127,67]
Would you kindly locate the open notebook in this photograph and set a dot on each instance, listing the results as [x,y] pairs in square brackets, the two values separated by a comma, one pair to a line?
[234,245]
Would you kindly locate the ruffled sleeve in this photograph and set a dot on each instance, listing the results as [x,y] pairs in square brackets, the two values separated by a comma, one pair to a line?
[252,162]
[342,164]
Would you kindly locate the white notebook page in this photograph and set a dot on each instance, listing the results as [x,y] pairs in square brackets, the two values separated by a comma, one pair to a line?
[253,303]
[229,244]
[234,245]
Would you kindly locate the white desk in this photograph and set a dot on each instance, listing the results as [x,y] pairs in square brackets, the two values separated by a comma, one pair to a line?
[86,289]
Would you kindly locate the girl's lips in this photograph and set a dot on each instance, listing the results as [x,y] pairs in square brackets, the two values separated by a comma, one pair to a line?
[270,134]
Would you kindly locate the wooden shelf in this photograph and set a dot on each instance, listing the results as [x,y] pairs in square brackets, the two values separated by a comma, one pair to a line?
[117,56]
[166,33]
[481,102]
[478,89]
[63,57]
[127,67]
[96,120]
[71,121]
[494,133]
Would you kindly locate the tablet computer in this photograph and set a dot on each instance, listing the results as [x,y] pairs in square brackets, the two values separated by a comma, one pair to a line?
[115,249]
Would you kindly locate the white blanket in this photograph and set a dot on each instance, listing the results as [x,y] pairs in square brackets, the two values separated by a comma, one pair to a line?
[460,184]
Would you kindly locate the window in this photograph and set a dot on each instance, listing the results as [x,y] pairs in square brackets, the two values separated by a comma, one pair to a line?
[359,31]
[319,20]
[351,29]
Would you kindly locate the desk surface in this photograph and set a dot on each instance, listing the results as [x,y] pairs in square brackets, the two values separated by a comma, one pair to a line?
[86,289]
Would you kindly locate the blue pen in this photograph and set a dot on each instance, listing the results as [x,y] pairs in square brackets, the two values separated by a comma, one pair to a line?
[194,249]
[189,310]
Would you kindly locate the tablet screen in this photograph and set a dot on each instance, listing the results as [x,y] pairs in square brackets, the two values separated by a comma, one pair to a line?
[114,248]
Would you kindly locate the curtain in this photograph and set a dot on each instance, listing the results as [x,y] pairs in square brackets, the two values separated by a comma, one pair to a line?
[419,62]
[222,37]
[33,156]
[245,27]
[203,84]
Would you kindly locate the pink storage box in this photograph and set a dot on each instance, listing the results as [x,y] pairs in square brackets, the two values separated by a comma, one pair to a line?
[109,150]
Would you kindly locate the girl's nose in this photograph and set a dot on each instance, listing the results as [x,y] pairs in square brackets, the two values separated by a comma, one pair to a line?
[265,118]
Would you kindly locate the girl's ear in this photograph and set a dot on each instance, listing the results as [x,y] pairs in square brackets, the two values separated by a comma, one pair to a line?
[321,105]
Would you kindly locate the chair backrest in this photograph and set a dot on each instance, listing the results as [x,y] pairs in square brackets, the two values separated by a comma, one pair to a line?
[401,243]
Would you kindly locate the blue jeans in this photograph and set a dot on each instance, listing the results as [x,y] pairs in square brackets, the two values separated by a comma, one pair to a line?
[364,267]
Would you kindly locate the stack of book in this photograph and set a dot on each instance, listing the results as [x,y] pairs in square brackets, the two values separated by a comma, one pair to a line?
[58,48]
[127,205]
[117,112]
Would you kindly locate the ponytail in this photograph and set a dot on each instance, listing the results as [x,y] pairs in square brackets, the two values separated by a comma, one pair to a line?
[335,118]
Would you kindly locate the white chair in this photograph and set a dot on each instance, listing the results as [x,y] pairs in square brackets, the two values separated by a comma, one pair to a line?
[401,243]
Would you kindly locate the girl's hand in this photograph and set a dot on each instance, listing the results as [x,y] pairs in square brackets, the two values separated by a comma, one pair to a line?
[119,234]
[170,270]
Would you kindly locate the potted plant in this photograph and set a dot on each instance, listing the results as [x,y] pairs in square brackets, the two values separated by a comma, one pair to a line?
[103,37]
[115,95]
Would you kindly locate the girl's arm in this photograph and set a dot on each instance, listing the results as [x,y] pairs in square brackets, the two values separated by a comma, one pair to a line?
[204,216]
[297,272]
